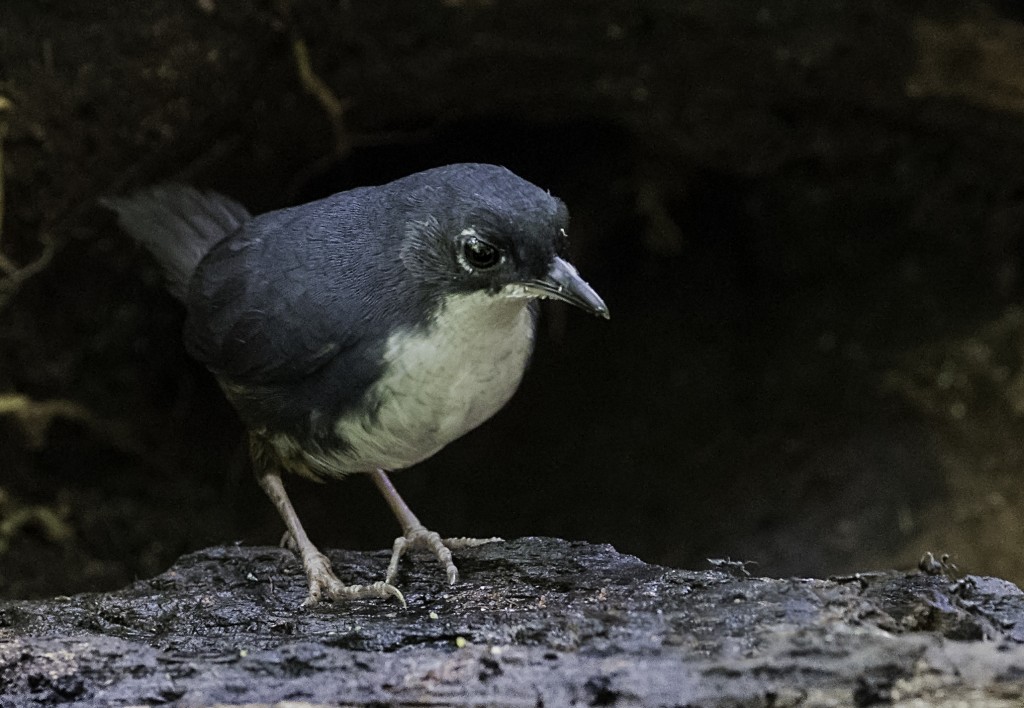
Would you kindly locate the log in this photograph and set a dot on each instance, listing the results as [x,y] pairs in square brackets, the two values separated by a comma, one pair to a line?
[533,622]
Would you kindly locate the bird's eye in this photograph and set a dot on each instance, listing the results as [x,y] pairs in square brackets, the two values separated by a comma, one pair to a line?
[480,254]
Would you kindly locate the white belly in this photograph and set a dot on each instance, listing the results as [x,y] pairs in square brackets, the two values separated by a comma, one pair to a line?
[440,385]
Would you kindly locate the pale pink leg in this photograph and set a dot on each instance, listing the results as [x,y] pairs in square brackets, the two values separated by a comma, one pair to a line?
[323,584]
[416,535]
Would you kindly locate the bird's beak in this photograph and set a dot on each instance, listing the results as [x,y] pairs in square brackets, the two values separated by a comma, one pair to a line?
[564,283]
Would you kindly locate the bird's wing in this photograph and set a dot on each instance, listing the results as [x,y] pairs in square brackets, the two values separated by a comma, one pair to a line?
[273,338]
[267,308]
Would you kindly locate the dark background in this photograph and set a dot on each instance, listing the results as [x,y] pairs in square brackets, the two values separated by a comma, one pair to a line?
[806,219]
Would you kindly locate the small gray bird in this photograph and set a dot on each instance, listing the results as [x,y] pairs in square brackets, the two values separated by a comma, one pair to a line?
[365,331]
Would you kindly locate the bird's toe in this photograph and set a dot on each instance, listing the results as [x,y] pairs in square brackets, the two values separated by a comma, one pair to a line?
[419,537]
[324,585]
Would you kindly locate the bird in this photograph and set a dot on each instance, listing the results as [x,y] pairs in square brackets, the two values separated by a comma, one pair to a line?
[365,331]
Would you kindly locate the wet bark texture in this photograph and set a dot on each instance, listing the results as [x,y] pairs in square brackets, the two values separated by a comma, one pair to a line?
[535,622]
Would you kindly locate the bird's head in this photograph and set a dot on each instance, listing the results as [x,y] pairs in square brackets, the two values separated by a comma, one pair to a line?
[471,228]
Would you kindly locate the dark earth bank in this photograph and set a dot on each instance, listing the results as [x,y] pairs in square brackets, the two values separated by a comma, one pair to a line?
[807,220]
[535,622]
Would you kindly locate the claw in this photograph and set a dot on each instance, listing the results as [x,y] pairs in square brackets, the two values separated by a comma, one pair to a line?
[419,537]
[415,535]
[324,583]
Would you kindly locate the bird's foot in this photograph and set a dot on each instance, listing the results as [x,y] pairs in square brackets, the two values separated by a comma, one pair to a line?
[419,537]
[324,584]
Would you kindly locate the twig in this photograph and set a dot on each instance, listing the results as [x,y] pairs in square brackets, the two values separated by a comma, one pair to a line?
[315,86]
[35,418]
[333,106]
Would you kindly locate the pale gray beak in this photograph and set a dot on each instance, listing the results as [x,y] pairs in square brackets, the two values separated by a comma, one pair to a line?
[564,283]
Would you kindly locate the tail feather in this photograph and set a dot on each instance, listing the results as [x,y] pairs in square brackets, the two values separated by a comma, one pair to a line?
[178,225]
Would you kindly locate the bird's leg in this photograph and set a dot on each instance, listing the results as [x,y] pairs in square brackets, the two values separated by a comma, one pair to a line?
[323,584]
[416,535]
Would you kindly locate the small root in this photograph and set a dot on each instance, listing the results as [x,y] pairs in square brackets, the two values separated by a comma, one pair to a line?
[36,417]
[14,517]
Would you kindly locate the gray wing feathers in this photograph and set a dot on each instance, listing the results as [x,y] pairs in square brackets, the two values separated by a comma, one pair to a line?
[178,225]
